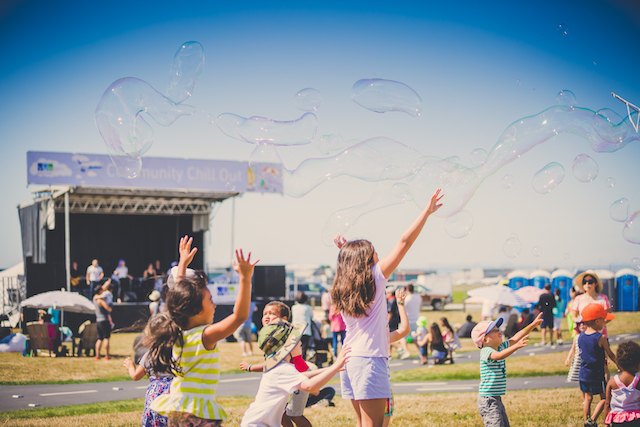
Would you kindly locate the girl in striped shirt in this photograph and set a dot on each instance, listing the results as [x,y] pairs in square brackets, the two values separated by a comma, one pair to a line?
[186,345]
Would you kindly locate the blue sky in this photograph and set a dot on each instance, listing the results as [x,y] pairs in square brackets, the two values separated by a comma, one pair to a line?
[478,67]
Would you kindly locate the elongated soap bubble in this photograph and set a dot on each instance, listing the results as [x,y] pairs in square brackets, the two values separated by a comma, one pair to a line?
[380,96]
[619,210]
[507,181]
[609,126]
[459,225]
[307,99]
[261,130]
[548,178]
[512,247]
[631,230]
[124,130]
[330,143]
[186,68]
[478,156]
[585,169]
[566,99]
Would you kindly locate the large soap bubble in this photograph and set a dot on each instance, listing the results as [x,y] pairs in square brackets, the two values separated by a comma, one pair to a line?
[380,96]
[307,99]
[609,126]
[548,178]
[585,169]
[459,225]
[261,130]
[124,130]
[512,247]
[619,210]
[328,144]
[631,230]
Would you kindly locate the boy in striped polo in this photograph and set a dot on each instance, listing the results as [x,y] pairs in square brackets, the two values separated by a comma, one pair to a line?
[493,374]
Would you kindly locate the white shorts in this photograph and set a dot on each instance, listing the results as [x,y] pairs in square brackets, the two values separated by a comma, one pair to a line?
[297,403]
[557,323]
[365,378]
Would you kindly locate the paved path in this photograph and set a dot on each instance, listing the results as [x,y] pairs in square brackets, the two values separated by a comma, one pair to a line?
[247,384]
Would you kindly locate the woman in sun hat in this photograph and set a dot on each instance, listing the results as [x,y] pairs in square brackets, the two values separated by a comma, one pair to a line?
[591,286]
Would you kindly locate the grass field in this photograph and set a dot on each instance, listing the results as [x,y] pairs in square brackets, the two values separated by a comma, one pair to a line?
[16,369]
[557,407]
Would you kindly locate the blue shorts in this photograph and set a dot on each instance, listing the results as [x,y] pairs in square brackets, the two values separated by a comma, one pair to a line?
[365,378]
[439,354]
[593,388]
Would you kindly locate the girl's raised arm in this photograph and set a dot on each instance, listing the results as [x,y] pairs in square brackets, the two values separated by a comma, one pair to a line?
[389,263]
[217,331]
[186,255]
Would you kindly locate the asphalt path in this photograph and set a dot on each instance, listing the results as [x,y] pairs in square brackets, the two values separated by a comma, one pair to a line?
[246,384]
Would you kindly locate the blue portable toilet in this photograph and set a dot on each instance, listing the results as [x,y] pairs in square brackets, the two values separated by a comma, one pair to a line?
[539,278]
[609,288]
[518,279]
[627,280]
[563,280]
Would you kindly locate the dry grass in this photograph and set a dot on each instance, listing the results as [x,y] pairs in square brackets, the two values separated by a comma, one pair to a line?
[557,407]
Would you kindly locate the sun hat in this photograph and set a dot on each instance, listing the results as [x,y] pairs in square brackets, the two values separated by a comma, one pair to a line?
[483,328]
[594,311]
[173,276]
[422,321]
[154,296]
[277,339]
[580,277]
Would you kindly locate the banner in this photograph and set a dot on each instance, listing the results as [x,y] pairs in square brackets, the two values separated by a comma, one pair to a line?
[158,173]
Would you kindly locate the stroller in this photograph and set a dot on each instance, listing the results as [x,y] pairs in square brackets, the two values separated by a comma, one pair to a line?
[319,352]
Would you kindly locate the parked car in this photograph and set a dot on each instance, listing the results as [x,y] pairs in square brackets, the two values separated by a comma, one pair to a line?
[312,290]
[437,300]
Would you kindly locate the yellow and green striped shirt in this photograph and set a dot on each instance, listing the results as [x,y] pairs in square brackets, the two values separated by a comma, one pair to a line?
[194,390]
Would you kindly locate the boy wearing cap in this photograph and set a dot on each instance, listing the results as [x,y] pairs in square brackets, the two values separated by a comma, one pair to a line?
[277,340]
[594,348]
[493,374]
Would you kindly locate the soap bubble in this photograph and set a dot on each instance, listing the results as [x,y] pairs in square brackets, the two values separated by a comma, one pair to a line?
[566,256]
[562,29]
[459,225]
[585,169]
[507,181]
[566,100]
[519,82]
[631,230]
[119,119]
[548,178]
[380,96]
[610,182]
[307,99]
[512,247]
[536,251]
[478,156]
[261,130]
[619,210]
[609,126]
[186,68]
[329,143]
[635,263]
[401,191]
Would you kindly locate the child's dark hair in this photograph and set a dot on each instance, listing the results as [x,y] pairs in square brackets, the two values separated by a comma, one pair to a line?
[283,309]
[436,335]
[354,288]
[164,330]
[446,324]
[628,356]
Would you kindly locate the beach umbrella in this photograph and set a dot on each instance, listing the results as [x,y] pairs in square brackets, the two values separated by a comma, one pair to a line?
[60,300]
[530,294]
[499,294]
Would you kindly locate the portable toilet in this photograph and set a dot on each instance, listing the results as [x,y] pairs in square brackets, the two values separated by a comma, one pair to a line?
[539,278]
[518,279]
[608,279]
[627,280]
[563,280]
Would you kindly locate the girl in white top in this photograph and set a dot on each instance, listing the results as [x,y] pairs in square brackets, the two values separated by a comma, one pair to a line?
[358,292]
[622,407]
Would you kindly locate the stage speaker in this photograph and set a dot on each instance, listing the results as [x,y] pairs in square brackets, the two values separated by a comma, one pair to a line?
[269,282]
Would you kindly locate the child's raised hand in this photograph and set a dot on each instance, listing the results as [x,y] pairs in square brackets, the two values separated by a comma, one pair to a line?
[244,366]
[523,342]
[343,357]
[243,266]
[537,321]
[186,253]
[401,294]
[339,241]
[433,204]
